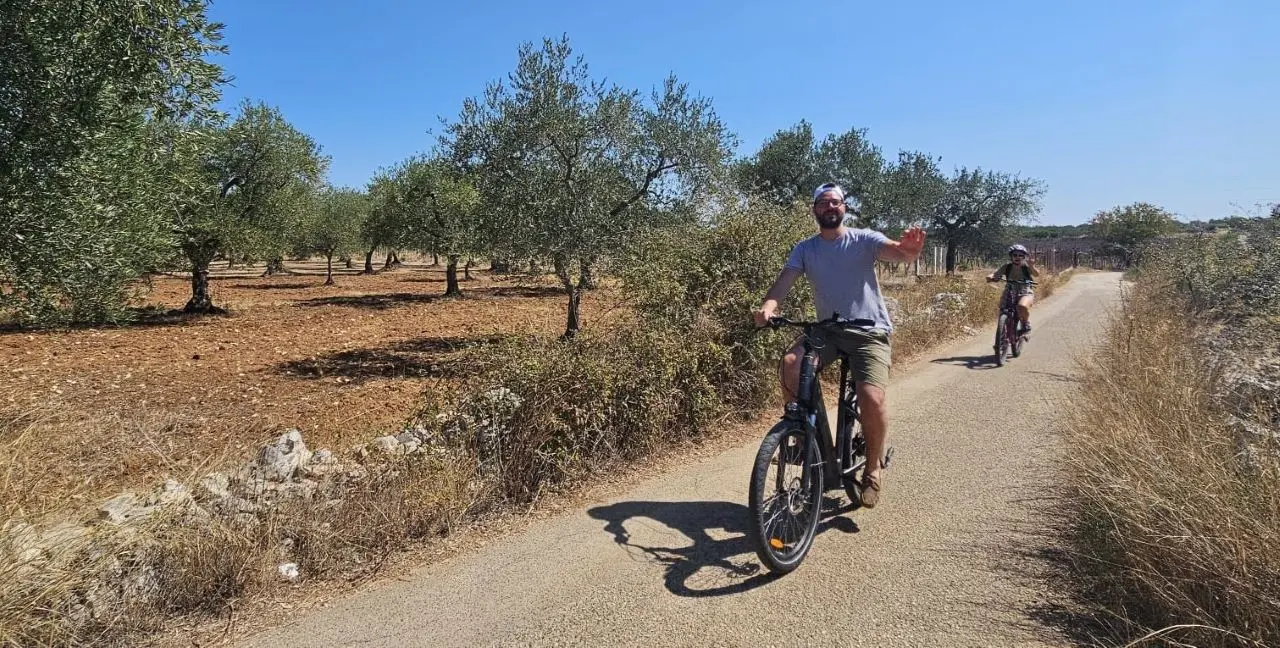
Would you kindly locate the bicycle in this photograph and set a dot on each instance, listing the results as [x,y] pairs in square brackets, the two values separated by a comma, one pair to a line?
[1009,339]
[782,527]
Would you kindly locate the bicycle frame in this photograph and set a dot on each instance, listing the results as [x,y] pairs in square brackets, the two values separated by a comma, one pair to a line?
[1009,306]
[811,413]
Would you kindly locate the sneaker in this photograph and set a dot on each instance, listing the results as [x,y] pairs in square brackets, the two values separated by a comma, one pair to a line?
[870,491]
[1026,328]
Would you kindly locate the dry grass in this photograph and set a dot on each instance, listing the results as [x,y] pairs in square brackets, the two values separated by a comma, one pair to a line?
[1174,526]
[104,585]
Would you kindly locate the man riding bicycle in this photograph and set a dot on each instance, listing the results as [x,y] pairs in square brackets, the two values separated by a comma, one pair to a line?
[1019,268]
[840,265]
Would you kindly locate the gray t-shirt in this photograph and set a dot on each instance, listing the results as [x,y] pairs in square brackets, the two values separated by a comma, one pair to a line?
[842,273]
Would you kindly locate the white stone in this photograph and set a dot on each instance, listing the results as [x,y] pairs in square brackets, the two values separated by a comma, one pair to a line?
[388,445]
[289,571]
[124,508]
[213,487]
[281,459]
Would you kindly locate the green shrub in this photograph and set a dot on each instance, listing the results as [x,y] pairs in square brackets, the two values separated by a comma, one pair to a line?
[542,413]
[1233,276]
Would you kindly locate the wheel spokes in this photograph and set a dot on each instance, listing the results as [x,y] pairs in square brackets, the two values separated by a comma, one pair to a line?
[784,513]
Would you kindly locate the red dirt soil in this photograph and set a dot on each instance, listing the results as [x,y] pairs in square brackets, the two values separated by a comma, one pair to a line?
[345,363]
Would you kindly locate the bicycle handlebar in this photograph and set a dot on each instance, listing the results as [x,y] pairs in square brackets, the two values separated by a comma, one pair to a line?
[779,322]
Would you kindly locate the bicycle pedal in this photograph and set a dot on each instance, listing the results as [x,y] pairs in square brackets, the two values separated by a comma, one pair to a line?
[888,458]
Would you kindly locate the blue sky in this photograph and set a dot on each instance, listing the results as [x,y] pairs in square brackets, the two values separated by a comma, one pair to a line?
[1108,102]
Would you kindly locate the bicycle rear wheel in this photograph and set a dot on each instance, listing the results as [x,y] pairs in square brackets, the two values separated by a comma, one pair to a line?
[785,500]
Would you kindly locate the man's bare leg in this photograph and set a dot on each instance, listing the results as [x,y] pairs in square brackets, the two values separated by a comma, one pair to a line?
[874,417]
[789,371]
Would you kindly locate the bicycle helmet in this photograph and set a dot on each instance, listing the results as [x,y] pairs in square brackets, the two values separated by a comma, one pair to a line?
[1018,248]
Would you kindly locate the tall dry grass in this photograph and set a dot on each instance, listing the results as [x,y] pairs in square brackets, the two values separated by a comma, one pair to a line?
[1177,520]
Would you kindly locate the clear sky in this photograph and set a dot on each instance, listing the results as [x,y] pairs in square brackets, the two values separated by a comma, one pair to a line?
[1174,102]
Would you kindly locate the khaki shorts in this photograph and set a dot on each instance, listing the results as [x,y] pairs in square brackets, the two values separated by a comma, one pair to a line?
[870,353]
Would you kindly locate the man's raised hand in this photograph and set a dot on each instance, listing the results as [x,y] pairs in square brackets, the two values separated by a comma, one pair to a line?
[912,242]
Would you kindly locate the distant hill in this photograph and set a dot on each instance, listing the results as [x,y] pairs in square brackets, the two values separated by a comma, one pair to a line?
[1060,237]
[1230,223]
[1025,232]
[1082,236]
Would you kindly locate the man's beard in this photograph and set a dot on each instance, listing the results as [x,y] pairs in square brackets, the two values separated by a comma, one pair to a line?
[829,220]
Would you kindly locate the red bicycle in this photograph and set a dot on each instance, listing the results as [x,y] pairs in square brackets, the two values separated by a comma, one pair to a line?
[1009,339]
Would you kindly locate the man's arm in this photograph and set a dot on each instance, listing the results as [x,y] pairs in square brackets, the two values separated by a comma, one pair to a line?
[1031,267]
[904,251]
[995,276]
[777,292]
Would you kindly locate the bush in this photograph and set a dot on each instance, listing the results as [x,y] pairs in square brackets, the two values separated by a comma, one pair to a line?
[543,413]
[1233,276]
[1176,475]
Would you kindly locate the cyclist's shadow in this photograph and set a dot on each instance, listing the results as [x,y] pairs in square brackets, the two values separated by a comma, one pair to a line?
[709,566]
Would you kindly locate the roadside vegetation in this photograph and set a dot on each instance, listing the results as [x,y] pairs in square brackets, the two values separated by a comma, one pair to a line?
[1175,436]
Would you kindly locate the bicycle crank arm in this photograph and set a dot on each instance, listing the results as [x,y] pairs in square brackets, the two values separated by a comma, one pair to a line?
[888,457]
[856,467]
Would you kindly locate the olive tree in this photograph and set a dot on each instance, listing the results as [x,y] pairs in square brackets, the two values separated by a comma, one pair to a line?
[439,205]
[791,163]
[240,187]
[332,226]
[573,161]
[82,200]
[1125,229]
[977,206]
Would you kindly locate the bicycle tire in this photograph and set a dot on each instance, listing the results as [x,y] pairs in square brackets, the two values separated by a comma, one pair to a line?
[1002,341]
[774,559]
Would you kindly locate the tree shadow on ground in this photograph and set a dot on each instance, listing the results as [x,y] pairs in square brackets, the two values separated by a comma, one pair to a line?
[519,291]
[142,318]
[383,301]
[278,286]
[969,362]
[425,357]
[710,566]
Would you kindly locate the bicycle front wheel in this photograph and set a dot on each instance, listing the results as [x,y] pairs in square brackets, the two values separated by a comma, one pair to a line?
[1002,340]
[785,500]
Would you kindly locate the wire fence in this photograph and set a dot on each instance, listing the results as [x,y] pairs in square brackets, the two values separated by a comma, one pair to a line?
[1051,258]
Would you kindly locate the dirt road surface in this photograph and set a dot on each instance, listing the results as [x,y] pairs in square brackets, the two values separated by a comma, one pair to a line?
[943,561]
